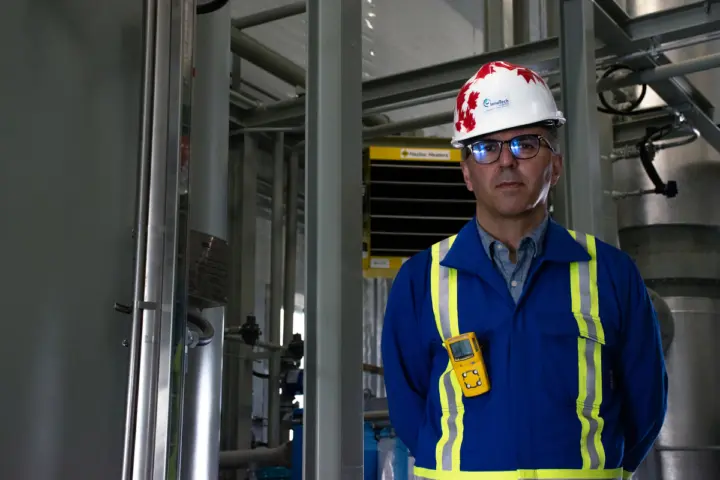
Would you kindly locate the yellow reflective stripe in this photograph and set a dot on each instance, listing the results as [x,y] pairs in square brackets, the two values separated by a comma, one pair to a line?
[627,475]
[549,474]
[443,288]
[586,309]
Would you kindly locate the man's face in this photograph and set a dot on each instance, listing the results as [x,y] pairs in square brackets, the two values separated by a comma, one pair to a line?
[510,186]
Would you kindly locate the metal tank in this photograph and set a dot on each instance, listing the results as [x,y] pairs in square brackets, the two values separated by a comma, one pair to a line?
[676,244]
[69,128]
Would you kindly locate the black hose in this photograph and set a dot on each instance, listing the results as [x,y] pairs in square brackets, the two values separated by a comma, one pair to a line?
[647,150]
[630,110]
[210,7]
[205,330]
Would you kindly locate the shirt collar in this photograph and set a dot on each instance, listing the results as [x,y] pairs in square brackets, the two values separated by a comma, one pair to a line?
[533,240]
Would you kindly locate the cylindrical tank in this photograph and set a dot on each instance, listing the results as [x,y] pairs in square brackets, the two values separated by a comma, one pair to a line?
[676,244]
[69,149]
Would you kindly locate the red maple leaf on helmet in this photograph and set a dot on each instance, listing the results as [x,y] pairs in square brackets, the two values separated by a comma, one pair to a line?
[523,72]
[460,101]
[485,70]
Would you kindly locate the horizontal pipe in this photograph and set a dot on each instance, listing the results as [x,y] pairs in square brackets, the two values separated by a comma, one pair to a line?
[270,15]
[377,415]
[413,102]
[660,73]
[246,47]
[259,457]
[242,100]
[408,125]
[259,344]
[689,448]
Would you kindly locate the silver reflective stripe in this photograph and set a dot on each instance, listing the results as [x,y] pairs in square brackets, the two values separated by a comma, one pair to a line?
[444,291]
[444,311]
[590,328]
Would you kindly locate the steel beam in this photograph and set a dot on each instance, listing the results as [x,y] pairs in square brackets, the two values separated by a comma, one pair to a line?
[669,25]
[270,15]
[699,18]
[676,92]
[581,186]
[333,446]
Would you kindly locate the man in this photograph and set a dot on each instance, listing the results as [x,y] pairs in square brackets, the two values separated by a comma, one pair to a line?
[569,344]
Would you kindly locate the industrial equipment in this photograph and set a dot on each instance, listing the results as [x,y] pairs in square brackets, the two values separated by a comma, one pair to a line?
[414,196]
[674,242]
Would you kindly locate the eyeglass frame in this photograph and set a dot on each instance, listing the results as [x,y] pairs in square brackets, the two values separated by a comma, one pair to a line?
[542,141]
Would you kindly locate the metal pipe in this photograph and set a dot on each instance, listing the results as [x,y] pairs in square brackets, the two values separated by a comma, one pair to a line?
[408,125]
[269,60]
[662,48]
[242,100]
[141,234]
[270,15]
[259,457]
[291,228]
[413,102]
[260,344]
[272,62]
[270,130]
[208,214]
[276,288]
[660,73]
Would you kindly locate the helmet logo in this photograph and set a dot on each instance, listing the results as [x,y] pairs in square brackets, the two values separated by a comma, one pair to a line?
[495,104]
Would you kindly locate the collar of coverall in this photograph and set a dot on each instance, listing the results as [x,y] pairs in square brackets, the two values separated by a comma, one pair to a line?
[467,252]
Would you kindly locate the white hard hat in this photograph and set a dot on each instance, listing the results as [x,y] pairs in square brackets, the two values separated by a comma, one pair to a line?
[502,96]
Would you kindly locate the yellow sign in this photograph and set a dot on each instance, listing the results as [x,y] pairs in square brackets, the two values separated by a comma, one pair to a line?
[383,267]
[415,154]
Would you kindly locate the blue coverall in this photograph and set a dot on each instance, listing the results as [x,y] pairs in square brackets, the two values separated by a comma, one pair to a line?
[577,375]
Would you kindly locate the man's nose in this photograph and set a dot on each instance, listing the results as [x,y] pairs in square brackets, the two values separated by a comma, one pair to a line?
[506,160]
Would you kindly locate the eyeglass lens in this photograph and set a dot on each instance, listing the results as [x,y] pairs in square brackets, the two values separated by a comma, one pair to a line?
[522,147]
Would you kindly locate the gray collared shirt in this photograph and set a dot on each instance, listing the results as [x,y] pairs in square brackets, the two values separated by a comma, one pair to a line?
[516,273]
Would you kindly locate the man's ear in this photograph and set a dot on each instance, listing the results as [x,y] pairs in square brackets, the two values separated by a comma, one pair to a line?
[557,168]
[466,174]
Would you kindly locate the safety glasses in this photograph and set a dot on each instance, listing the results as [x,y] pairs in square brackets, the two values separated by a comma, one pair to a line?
[522,147]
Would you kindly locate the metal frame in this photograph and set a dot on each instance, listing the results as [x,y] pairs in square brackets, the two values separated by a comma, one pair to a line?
[333,414]
[632,40]
[581,187]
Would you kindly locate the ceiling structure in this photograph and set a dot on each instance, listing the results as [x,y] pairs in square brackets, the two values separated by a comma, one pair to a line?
[398,35]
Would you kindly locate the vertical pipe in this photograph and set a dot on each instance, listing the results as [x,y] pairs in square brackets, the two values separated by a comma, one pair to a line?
[276,289]
[291,234]
[208,214]
[141,218]
[333,383]
[160,379]
[242,217]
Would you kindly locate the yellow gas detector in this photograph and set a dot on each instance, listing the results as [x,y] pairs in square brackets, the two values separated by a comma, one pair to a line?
[467,361]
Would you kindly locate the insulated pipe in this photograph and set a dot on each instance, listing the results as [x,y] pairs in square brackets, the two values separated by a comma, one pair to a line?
[208,214]
[291,234]
[657,74]
[259,457]
[271,15]
[276,289]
